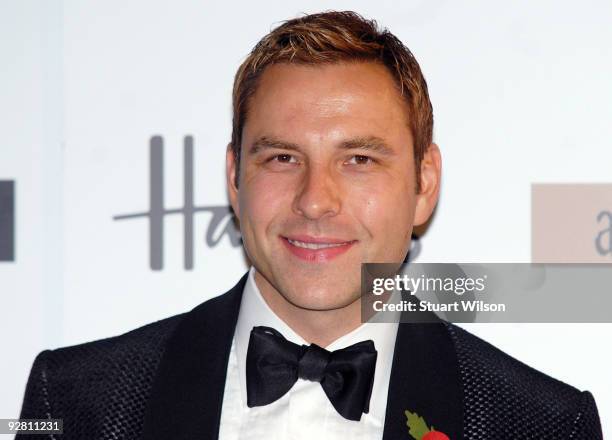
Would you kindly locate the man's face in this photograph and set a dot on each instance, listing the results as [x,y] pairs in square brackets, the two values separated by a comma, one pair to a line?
[327,180]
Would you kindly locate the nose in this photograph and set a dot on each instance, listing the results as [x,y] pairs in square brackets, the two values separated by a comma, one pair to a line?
[318,195]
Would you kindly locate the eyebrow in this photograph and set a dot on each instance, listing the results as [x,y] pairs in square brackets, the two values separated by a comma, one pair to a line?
[365,143]
[268,143]
[368,143]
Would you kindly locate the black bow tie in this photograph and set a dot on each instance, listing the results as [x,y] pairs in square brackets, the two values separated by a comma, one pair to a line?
[274,364]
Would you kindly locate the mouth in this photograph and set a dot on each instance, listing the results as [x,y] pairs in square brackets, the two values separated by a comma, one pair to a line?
[316,249]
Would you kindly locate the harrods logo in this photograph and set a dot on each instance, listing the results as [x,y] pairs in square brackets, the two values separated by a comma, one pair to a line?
[571,223]
[7,220]
[221,224]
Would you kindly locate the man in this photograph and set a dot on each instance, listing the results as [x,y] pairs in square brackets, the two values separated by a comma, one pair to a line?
[330,165]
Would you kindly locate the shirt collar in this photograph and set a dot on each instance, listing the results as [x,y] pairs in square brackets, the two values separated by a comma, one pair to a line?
[254,311]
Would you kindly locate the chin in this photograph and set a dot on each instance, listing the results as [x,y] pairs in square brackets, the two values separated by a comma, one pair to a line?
[320,300]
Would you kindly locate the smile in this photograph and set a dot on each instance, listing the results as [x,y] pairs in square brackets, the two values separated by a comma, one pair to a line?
[306,245]
[316,249]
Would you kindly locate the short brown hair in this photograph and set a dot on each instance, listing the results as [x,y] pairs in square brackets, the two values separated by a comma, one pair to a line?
[330,37]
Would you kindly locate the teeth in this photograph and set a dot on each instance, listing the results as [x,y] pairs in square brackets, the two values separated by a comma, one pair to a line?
[314,245]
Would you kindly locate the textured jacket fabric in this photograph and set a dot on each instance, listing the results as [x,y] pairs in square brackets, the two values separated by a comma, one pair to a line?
[166,380]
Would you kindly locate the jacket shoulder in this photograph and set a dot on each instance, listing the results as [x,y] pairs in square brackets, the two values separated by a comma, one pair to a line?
[99,387]
[505,398]
[142,342]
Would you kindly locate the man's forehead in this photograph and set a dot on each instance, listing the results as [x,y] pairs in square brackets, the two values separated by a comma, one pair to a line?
[292,96]
[330,80]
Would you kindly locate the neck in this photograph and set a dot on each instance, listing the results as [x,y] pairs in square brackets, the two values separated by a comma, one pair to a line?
[321,327]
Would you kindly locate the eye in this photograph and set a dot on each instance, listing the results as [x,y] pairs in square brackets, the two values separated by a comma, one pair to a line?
[283,158]
[360,159]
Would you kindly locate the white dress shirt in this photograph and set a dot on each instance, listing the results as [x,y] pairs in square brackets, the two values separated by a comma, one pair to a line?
[304,412]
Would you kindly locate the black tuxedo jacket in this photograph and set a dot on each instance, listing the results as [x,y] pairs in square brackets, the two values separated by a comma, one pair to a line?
[165,381]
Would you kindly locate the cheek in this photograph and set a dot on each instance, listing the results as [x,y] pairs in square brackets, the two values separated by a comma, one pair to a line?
[387,212]
[261,199]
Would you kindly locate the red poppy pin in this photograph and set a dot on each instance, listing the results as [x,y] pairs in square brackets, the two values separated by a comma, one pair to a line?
[418,429]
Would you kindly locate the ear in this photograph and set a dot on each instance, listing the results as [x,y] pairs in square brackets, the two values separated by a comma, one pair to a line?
[230,175]
[431,173]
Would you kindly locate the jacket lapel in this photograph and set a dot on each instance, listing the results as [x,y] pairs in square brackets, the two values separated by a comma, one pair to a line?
[425,379]
[187,394]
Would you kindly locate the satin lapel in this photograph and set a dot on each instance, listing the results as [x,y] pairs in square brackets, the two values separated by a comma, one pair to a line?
[425,379]
[187,394]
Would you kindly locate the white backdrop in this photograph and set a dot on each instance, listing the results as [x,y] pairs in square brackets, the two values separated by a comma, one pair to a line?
[521,94]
